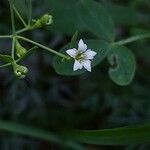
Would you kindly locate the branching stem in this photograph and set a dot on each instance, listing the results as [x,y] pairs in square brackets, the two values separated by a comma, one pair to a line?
[20,17]
[44,47]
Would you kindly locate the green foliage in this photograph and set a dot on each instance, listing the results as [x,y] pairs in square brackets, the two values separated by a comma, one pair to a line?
[123,65]
[117,136]
[86,102]
[96,19]
[123,15]
[64,14]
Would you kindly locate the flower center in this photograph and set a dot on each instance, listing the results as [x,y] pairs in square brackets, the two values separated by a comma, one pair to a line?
[80,56]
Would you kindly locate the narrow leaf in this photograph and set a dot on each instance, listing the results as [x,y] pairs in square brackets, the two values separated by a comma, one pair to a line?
[138,134]
[38,133]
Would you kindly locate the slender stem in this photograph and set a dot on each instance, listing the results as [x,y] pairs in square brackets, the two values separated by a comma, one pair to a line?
[13,29]
[44,47]
[5,65]
[5,36]
[20,59]
[12,17]
[132,39]
[13,48]
[22,30]
[20,17]
[30,12]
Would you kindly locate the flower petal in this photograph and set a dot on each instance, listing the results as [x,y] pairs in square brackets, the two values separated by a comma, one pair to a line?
[90,54]
[87,65]
[72,52]
[81,46]
[77,65]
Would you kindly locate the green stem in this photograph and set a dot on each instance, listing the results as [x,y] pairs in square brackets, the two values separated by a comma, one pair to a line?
[13,48]
[5,36]
[30,12]
[20,59]
[132,39]
[44,47]
[23,30]
[20,17]
[12,17]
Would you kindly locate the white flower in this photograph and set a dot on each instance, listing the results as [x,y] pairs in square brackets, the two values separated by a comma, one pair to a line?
[83,56]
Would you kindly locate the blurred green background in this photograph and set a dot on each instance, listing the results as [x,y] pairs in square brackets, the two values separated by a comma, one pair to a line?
[90,101]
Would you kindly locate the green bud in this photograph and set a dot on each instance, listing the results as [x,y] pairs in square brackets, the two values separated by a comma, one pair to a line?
[43,21]
[20,71]
[46,19]
[20,51]
[36,24]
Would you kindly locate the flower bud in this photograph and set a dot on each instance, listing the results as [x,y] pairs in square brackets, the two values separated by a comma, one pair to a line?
[46,19]
[20,51]
[20,71]
[43,21]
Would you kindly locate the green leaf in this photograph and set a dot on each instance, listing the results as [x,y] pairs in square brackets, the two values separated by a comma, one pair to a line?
[6,58]
[123,65]
[123,15]
[96,18]
[38,133]
[66,67]
[64,15]
[137,134]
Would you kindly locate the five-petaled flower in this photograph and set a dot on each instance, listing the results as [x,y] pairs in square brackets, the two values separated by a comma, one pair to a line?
[83,56]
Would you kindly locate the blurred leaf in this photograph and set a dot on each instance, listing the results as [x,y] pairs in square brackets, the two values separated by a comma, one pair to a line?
[122,14]
[64,15]
[139,31]
[66,67]
[6,58]
[96,19]
[38,133]
[137,134]
[123,65]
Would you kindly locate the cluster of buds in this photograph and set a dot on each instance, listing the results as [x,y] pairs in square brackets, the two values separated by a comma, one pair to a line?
[19,70]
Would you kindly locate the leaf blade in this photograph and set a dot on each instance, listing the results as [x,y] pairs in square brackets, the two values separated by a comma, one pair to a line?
[123,65]
[118,136]
[96,18]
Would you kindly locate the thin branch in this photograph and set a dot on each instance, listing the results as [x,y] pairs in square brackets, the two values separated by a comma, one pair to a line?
[30,11]
[12,16]
[20,17]
[5,36]
[44,47]
[132,39]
